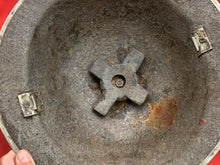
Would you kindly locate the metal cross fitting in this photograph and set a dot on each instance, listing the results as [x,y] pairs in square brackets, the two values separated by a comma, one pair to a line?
[119,81]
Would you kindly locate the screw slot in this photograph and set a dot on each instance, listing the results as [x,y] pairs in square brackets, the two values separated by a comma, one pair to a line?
[118,81]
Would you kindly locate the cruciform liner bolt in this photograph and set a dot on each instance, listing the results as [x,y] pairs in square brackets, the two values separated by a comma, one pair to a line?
[119,82]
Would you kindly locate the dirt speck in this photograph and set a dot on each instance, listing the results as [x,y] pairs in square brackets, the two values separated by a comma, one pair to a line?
[163,113]
[110,62]
[142,81]
[122,104]
[95,143]
[95,86]
[117,111]
[133,121]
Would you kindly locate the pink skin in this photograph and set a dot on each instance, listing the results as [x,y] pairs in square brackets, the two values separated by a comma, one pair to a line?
[23,157]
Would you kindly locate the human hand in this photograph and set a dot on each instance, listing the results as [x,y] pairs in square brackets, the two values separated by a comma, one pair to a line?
[23,157]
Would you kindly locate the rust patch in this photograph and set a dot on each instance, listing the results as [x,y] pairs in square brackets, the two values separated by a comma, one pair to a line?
[163,113]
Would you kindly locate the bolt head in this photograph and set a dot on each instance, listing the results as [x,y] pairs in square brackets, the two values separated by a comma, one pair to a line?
[119,83]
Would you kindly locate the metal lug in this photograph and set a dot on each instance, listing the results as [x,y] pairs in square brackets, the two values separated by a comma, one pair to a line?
[28,103]
[201,41]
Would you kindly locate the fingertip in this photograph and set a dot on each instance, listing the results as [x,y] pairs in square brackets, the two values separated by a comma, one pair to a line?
[23,157]
[9,158]
[12,153]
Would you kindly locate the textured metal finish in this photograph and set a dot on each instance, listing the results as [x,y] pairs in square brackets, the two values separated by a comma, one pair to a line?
[119,81]
[49,46]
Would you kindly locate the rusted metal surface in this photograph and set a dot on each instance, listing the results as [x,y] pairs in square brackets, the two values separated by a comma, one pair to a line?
[163,113]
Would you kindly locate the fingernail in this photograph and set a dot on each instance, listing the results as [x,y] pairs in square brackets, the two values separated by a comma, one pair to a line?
[23,156]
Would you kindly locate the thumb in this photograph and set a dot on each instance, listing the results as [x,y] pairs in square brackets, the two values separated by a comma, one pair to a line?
[23,157]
